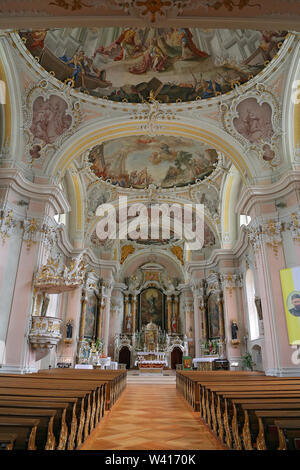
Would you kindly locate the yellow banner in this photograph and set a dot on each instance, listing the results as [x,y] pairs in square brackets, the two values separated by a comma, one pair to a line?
[290,283]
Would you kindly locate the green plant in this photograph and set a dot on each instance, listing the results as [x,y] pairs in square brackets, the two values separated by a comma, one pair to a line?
[98,345]
[247,361]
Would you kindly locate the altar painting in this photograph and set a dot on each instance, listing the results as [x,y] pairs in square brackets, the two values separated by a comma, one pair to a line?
[152,307]
[90,317]
[213,315]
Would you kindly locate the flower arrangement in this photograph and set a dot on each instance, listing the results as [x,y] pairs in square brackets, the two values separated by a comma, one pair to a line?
[247,361]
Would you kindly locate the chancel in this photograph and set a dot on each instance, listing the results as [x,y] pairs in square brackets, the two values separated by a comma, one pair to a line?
[149,225]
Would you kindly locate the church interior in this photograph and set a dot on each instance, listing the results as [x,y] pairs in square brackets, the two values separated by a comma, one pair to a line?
[112,112]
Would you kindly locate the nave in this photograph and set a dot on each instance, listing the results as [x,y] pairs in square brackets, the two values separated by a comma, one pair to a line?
[152,417]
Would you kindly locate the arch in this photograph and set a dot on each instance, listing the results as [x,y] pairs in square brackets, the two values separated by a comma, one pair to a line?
[141,257]
[229,199]
[176,356]
[12,121]
[163,200]
[125,356]
[291,111]
[76,194]
[202,131]
[257,357]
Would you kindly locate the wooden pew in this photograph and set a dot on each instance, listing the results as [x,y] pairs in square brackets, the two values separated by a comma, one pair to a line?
[264,416]
[58,432]
[260,386]
[241,407]
[7,441]
[288,430]
[45,438]
[92,389]
[116,379]
[24,428]
[69,419]
[213,393]
[83,397]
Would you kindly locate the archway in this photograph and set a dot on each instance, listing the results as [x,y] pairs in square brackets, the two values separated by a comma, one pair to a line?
[176,357]
[124,357]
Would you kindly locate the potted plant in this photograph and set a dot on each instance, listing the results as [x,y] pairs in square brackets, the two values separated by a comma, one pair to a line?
[247,361]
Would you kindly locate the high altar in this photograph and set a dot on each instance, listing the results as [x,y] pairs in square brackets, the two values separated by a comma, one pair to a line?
[151,325]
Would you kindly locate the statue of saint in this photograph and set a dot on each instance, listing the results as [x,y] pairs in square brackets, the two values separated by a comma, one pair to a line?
[234,329]
[69,329]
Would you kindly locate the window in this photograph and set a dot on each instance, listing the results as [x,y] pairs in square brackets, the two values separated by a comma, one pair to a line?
[245,219]
[60,218]
[252,312]
[2,92]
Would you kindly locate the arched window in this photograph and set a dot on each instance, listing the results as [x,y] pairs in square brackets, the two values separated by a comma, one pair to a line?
[252,312]
[2,92]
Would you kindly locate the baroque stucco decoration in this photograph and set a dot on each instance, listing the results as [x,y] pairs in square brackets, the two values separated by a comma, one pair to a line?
[49,119]
[254,120]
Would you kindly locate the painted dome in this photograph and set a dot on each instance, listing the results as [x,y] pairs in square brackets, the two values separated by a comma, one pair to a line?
[138,161]
[176,64]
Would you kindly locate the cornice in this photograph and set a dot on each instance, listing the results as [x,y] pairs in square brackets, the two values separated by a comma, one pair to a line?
[13,179]
[266,193]
[278,22]
[218,255]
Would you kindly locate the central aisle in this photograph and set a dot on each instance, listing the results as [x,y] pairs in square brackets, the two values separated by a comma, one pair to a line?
[151,417]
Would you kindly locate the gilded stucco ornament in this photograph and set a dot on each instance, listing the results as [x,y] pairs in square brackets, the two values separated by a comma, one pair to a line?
[294,226]
[231,281]
[55,277]
[269,232]
[7,224]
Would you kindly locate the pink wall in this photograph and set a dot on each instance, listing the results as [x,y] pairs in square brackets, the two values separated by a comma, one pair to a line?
[21,304]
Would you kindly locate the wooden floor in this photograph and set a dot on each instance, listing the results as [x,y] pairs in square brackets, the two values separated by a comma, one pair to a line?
[152,417]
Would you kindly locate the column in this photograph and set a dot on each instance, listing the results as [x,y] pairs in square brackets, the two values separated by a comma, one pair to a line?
[133,312]
[169,313]
[203,332]
[84,301]
[197,325]
[126,311]
[101,305]
[221,317]
[176,312]
[107,296]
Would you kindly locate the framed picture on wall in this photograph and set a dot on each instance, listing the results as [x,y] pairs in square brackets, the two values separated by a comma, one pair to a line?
[187,363]
[90,317]
[213,316]
[152,307]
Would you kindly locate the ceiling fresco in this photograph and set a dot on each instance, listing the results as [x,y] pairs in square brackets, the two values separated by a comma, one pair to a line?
[176,64]
[138,161]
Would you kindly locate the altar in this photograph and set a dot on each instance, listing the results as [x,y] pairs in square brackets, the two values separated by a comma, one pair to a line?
[151,361]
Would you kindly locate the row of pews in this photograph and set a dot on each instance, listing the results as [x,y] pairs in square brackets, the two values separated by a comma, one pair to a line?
[245,410]
[55,409]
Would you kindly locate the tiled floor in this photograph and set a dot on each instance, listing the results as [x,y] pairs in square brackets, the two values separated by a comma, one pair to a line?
[151,417]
